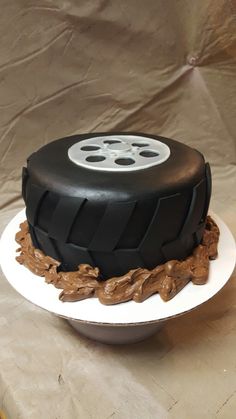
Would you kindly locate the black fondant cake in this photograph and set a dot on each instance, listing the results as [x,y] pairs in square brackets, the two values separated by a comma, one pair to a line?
[127,215]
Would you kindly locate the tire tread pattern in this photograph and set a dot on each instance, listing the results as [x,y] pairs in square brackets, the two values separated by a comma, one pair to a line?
[102,250]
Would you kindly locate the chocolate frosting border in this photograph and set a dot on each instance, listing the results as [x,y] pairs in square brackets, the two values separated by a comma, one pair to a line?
[137,284]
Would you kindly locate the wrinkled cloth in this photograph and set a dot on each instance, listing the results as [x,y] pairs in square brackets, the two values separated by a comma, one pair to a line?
[164,67]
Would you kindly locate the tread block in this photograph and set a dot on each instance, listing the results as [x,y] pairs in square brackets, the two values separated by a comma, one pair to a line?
[208,190]
[179,248]
[35,194]
[73,255]
[128,259]
[64,216]
[158,230]
[46,244]
[196,209]
[112,226]
[25,177]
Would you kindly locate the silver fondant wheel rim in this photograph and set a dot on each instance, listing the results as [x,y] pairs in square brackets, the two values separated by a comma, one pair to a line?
[118,153]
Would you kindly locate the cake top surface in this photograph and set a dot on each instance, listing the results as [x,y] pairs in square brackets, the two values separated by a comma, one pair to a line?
[52,167]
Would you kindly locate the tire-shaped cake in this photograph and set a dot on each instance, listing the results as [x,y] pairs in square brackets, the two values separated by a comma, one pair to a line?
[117,201]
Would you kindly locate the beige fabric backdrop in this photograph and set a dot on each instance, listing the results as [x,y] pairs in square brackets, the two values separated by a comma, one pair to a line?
[164,67]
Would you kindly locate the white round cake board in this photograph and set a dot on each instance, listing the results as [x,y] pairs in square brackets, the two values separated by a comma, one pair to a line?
[35,290]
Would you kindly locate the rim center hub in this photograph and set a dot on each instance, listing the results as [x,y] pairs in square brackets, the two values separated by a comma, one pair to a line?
[119,147]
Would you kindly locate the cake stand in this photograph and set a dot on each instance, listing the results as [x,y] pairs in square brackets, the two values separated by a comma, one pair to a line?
[121,323]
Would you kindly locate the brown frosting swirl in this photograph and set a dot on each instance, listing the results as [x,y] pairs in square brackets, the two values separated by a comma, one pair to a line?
[137,284]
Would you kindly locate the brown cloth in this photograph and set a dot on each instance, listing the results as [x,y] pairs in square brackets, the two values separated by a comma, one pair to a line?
[160,66]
